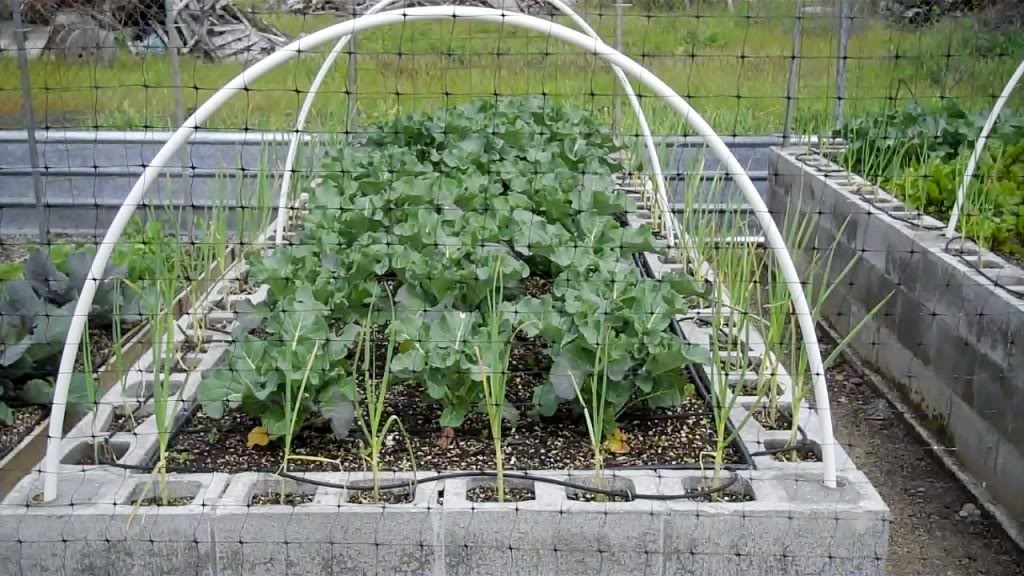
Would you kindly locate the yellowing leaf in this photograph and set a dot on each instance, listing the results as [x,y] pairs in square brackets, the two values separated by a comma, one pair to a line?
[616,443]
[405,346]
[257,437]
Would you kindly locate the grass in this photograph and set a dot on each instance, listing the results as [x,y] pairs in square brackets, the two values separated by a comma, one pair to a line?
[734,68]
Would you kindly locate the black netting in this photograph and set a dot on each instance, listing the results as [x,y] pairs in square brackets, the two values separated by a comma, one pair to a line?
[468,313]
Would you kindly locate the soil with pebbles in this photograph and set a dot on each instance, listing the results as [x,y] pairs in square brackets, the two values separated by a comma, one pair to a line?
[723,496]
[121,422]
[490,494]
[537,286]
[655,437]
[557,443]
[782,420]
[158,501]
[927,536]
[26,418]
[797,454]
[274,498]
[594,497]
[398,496]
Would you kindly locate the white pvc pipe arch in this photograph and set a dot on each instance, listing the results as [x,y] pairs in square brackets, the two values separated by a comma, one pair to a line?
[979,146]
[773,238]
[283,204]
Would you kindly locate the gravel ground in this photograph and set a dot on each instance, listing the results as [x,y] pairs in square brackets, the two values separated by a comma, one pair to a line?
[937,528]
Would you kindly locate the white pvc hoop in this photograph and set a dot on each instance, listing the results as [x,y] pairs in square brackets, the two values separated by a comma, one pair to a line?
[240,83]
[314,88]
[979,146]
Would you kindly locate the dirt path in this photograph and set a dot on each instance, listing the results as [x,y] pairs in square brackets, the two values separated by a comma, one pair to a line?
[931,532]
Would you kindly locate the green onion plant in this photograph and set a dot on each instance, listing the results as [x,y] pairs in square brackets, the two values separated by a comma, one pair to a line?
[374,423]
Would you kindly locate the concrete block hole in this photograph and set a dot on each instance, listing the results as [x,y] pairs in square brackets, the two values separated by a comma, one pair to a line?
[143,390]
[124,415]
[274,492]
[808,451]
[486,490]
[173,493]
[739,491]
[85,453]
[602,483]
[392,496]
[783,416]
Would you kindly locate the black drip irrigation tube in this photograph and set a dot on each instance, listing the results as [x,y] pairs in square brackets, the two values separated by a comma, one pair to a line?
[627,495]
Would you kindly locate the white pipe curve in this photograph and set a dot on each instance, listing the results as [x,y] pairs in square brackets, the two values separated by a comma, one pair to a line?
[672,235]
[979,146]
[773,238]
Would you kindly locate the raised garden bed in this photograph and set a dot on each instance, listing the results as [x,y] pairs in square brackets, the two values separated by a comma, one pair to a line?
[354,507]
[947,336]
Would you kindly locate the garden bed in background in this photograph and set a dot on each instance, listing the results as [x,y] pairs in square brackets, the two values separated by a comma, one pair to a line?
[947,336]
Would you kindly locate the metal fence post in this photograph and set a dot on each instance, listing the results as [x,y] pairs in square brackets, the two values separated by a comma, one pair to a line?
[844,40]
[173,45]
[30,122]
[351,80]
[617,94]
[793,87]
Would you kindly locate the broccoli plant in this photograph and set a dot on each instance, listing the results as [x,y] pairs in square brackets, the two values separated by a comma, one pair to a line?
[299,352]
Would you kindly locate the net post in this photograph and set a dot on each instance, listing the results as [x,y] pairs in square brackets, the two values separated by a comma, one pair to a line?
[30,122]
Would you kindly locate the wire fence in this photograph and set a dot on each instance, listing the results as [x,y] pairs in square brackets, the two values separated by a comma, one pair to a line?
[460,291]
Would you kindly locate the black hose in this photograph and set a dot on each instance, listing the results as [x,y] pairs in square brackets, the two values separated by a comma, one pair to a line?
[625,494]
[803,444]
[995,282]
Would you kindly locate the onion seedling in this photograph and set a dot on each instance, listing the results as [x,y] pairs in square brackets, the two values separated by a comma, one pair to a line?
[373,424]
[493,363]
[737,269]
[594,412]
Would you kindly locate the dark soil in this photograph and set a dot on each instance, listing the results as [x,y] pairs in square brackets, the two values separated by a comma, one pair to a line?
[666,436]
[89,456]
[273,498]
[721,496]
[397,496]
[102,345]
[537,286]
[120,422]
[801,454]
[927,535]
[26,418]
[490,494]
[783,421]
[158,501]
[205,443]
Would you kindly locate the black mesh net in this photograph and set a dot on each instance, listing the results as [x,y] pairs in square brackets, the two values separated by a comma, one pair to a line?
[452,296]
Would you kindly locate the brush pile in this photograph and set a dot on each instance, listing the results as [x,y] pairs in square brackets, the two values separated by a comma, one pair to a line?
[213,29]
[350,7]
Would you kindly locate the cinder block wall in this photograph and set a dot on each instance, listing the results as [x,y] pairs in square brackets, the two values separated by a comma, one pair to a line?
[948,337]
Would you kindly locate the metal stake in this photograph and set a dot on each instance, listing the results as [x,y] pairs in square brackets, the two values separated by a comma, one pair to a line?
[617,94]
[792,88]
[351,81]
[174,44]
[30,123]
[844,41]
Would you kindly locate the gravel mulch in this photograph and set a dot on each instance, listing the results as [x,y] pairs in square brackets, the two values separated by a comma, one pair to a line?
[26,418]
[490,494]
[272,498]
[936,527]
